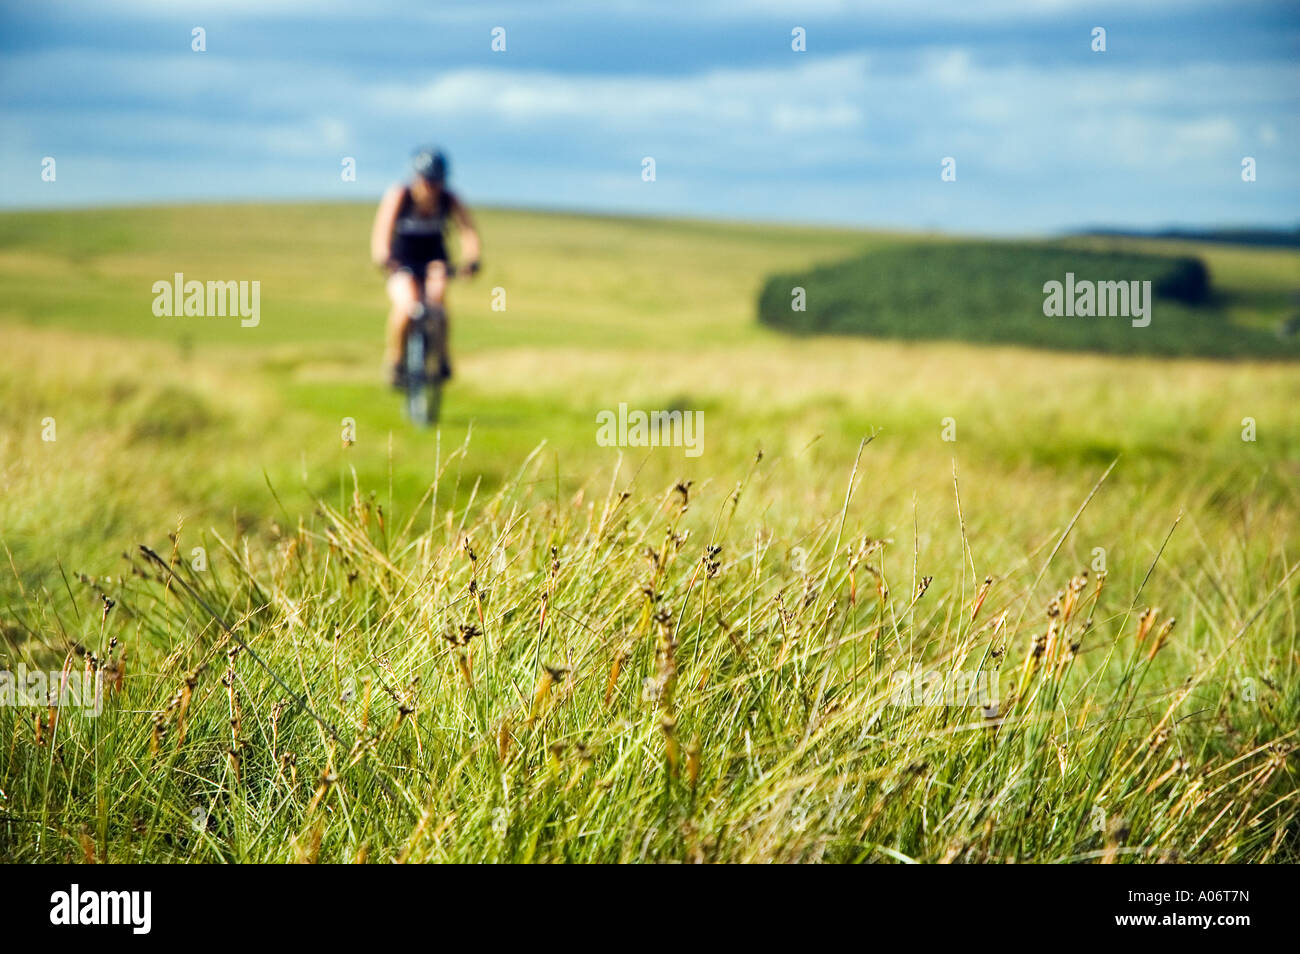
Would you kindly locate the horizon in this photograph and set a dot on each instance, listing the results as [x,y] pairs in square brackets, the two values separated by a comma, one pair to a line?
[1201,232]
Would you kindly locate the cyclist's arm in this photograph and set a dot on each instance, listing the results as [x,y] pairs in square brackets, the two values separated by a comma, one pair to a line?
[469,244]
[381,236]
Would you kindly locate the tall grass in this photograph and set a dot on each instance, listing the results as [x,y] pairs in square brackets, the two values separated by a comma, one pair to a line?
[634,673]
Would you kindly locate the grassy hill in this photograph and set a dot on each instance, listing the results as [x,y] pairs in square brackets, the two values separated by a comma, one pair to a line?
[994,292]
[689,711]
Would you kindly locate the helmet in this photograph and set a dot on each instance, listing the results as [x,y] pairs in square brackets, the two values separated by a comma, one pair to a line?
[431,164]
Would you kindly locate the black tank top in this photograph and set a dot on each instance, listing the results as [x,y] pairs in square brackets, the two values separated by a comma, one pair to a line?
[417,238]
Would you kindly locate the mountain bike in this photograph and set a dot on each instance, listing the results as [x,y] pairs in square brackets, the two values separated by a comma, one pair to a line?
[423,373]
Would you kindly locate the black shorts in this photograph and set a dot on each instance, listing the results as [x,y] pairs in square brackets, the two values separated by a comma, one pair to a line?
[417,270]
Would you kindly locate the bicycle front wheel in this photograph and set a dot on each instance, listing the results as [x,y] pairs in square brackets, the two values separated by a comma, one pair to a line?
[417,391]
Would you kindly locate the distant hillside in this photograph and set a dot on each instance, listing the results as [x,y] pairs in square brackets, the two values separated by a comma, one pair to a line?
[1277,238]
[993,292]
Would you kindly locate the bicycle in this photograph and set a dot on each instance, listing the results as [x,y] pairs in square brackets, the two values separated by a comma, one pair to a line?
[423,346]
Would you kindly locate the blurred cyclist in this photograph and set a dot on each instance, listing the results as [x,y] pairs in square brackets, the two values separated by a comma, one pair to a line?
[408,240]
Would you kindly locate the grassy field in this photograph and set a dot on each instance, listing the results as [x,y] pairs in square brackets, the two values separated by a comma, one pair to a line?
[519,645]
[993,293]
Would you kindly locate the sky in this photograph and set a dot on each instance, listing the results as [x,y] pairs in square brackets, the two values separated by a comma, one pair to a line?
[1046,133]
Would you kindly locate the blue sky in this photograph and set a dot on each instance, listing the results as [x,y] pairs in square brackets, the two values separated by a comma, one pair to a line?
[1046,133]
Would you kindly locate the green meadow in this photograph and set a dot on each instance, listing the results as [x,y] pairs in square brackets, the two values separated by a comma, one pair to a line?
[502,641]
[1001,292]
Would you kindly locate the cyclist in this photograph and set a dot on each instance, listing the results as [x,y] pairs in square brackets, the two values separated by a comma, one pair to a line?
[408,241]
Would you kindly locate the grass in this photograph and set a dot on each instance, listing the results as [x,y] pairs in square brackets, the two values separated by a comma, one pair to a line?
[992,292]
[595,683]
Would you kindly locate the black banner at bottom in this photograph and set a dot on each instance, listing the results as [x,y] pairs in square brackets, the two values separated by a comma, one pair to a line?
[144,904]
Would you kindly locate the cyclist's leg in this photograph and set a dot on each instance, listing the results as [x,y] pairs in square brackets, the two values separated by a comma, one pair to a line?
[403,293]
[435,295]
[435,283]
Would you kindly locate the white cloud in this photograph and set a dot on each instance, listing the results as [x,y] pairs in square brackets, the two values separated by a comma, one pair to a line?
[948,11]
[812,95]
